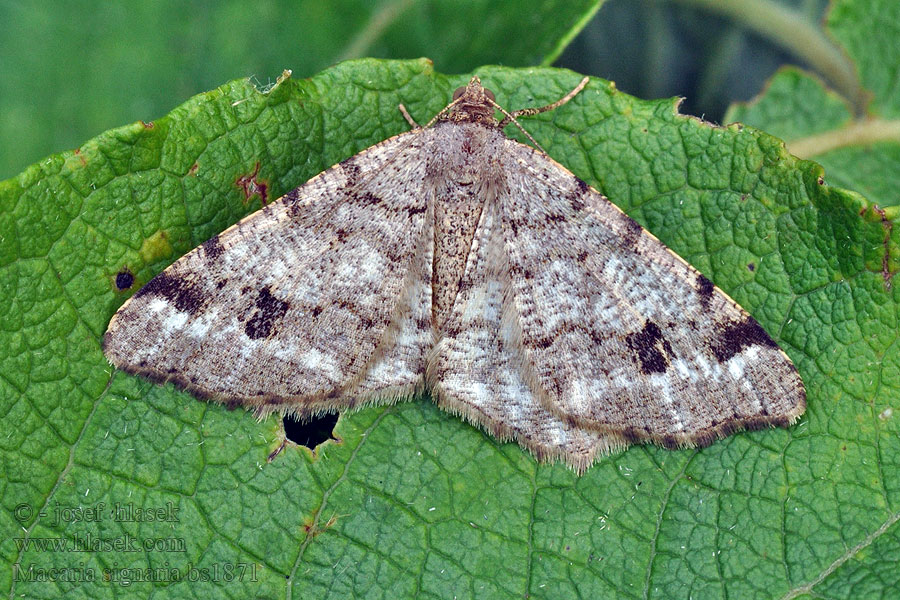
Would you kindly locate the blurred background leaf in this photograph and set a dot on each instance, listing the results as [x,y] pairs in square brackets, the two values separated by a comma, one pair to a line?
[72,70]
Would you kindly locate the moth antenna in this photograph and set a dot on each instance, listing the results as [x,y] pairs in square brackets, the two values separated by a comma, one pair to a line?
[525,112]
[511,117]
[445,109]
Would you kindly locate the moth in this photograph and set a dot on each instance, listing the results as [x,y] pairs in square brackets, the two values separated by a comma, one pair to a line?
[454,260]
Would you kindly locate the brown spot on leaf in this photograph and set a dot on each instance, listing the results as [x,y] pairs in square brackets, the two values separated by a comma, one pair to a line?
[148,124]
[313,529]
[887,226]
[268,311]
[183,294]
[737,335]
[253,186]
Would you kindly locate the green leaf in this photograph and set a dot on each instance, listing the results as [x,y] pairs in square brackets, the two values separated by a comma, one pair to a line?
[867,30]
[862,152]
[410,500]
[174,49]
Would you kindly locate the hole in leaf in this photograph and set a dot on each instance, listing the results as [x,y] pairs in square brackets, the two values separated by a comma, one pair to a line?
[311,433]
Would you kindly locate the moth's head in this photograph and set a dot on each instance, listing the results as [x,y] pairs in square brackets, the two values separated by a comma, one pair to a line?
[471,104]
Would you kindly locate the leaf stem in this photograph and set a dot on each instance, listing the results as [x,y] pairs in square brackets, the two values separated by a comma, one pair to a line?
[855,133]
[793,31]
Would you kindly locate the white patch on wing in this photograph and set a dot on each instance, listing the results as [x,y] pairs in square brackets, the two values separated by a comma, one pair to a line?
[662,383]
[684,369]
[157,304]
[736,367]
[317,361]
[175,321]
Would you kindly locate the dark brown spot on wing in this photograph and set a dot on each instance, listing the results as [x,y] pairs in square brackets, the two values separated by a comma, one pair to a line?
[183,294]
[633,435]
[294,206]
[576,199]
[552,218]
[268,311]
[367,199]
[541,343]
[736,336]
[351,172]
[633,232]
[668,441]
[651,348]
[415,210]
[705,289]
[212,248]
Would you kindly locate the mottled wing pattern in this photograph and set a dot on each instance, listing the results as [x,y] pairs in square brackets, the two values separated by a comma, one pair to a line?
[398,365]
[620,334]
[314,302]
[476,367]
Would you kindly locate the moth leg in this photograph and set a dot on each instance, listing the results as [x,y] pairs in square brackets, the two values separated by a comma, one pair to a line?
[408,117]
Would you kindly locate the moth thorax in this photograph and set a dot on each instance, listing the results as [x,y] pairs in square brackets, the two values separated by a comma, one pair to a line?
[474,104]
